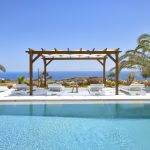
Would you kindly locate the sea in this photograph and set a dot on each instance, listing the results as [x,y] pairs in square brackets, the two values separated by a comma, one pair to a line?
[60,75]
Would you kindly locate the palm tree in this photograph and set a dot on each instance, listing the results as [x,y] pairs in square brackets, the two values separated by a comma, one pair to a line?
[2,68]
[139,58]
[111,75]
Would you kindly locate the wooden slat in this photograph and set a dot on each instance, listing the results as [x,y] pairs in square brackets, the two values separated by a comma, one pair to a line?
[74,58]
[38,55]
[74,52]
[100,62]
[49,62]
[113,59]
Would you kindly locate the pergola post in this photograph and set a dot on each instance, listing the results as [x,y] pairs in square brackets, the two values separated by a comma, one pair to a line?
[31,70]
[117,73]
[45,72]
[38,77]
[104,71]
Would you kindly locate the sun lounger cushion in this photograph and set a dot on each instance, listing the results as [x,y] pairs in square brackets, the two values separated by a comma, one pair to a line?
[40,92]
[21,87]
[95,89]
[55,87]
[97,85]
[135,89]
[19,93]
[138,85]
[52,85]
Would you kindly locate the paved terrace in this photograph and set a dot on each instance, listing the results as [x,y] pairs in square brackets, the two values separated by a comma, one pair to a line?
[74,98]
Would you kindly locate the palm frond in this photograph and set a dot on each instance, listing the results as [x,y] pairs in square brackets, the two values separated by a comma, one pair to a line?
[138,58]
[2,68]
[143,37]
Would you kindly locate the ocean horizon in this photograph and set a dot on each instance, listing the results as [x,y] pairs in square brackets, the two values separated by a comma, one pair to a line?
[60,75]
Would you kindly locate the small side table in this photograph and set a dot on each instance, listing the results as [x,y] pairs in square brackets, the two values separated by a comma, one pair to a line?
[75,88]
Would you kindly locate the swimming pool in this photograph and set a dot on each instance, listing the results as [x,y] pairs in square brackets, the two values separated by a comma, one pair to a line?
[75,127]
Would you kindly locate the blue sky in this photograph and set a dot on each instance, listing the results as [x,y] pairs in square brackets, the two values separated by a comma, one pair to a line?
[68,23]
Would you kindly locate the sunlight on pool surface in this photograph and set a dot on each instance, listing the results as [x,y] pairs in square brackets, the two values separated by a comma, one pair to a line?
[55,133]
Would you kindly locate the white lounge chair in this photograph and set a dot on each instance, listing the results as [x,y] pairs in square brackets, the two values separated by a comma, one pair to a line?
[39,91]
[134,89]
[96,89]
[20,90]
[55,89]
[21,87]
[3,88]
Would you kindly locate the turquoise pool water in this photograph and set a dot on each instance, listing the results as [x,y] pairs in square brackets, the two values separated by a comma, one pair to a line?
[75,127]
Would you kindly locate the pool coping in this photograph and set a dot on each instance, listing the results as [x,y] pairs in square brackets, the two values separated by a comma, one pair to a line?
[73,99]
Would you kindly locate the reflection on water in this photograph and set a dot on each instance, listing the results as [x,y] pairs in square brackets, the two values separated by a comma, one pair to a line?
[79,110]
[45,110]
[31,109]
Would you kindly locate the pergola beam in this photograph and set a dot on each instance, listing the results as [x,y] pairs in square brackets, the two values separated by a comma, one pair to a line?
[100,62]
[38,55]
[112,58]
[49,62]
[74,58]
[73,52]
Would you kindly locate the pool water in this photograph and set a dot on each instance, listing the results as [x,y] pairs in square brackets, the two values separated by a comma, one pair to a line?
[86,127]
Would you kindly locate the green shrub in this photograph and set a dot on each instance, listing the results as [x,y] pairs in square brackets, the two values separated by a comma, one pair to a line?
[110,83]
[21,80]
[93,81]
[131,78]
[2,81]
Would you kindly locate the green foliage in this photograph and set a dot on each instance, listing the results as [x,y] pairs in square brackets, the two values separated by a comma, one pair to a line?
[138,58]
[110,83]
[93,81]
[21,80]
[2,68]
[131,78]
[66,84]
[145,72]
[111,75]
[41,78]
[2,81]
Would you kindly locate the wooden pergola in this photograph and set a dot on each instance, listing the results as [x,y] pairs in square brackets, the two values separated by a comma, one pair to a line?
[54,54]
